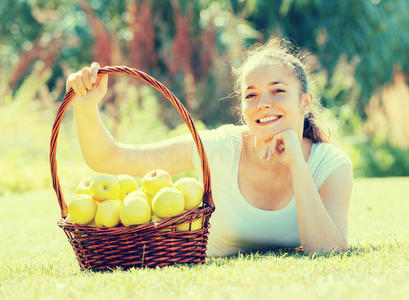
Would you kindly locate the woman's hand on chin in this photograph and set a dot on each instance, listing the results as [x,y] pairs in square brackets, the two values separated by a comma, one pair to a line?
[284,147]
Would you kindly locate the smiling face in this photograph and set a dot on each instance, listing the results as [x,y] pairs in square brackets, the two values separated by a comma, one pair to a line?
[271,100]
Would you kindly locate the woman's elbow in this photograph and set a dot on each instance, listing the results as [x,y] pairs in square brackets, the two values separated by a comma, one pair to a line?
[327,250]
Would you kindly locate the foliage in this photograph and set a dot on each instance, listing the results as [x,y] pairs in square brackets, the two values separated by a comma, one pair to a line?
[191,46]
[369,34]
[379,158]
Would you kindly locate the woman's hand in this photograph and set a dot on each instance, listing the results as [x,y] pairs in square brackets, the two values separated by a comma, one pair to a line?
[89,87]
[284,147]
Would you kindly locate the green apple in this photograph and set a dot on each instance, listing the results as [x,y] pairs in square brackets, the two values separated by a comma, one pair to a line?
[105,187]
[168,202]
[192,191]
[81,209]
[135,211]
[108,213]
[83,187]
[155,180]
[127,184]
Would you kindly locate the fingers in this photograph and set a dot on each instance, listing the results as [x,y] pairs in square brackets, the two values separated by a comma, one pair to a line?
[94,71]
[274,148]
[278,142]
[74,85]
[67,84]
[103,82]
[82,81]
[86,78]
[80,84]
[269,154]
[263,153]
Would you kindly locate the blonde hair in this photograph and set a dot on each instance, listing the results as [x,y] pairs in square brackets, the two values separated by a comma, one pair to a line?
[317,125]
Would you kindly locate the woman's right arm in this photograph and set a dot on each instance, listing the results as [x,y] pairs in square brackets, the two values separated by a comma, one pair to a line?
[102,153]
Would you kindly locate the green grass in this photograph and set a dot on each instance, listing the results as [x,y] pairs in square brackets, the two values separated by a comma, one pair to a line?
[37,262]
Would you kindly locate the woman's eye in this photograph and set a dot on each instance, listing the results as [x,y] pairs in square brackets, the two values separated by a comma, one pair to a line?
[250,96]
[278,91]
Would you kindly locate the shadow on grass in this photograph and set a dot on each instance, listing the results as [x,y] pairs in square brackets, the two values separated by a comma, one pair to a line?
[353,251]
[281,253]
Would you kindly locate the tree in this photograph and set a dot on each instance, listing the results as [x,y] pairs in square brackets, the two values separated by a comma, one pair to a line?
[373,34]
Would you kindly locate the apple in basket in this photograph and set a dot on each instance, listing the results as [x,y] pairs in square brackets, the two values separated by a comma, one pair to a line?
[156,218]
[83,187]
[192,191]
[105,187]
[168,202]
[127,185]
[81,209]
[196,224]
[108,213]
[155,180]
[142,194]
[135,210]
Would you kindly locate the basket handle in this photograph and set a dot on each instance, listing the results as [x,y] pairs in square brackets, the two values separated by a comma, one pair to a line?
[207,196]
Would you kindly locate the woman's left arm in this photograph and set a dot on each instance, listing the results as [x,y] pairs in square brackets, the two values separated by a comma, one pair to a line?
[322,216]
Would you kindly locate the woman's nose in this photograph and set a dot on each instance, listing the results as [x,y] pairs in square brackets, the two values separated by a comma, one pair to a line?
[263,104]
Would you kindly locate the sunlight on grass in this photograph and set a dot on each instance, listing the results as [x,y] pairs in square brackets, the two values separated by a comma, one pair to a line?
[38,262]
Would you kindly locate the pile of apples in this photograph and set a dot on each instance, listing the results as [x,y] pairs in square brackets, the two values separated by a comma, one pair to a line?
[109,200]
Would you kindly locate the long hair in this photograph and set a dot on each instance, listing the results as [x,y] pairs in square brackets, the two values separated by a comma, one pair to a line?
[317,124]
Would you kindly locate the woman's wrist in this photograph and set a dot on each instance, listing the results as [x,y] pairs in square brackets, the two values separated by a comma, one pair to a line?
[80,107]
[297,164]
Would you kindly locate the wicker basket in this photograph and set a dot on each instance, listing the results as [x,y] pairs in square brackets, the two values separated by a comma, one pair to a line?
[149,245]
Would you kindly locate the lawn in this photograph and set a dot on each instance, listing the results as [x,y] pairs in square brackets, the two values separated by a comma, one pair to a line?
[37,262]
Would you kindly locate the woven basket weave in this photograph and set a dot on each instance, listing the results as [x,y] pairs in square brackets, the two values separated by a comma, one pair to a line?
[155,244]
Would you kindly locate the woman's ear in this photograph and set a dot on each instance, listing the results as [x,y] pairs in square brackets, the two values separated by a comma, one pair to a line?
[306,102]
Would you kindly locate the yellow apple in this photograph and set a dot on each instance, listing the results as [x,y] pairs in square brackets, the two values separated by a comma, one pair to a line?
[196,224]
[168,202]
[127,184]
[105,187]
[144,195]
[155,218]
[135,211]
[83,187]
[155,180]
[92,223]
[192,191]
[108,213]
[68,218]
[81,209]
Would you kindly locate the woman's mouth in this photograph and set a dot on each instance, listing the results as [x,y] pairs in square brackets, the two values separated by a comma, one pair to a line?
[268,120]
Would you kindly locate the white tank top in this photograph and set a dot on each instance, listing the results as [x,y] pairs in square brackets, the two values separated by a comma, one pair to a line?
[236,225]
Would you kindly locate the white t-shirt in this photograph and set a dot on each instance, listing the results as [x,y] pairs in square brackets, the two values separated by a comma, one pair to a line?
[236,225]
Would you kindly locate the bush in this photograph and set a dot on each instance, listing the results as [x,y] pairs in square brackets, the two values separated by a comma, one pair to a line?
[379,158]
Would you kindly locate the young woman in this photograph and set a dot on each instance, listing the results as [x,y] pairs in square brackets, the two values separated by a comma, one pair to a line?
[277,182]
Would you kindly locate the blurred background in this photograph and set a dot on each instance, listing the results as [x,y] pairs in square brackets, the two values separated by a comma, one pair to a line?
[358,53]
